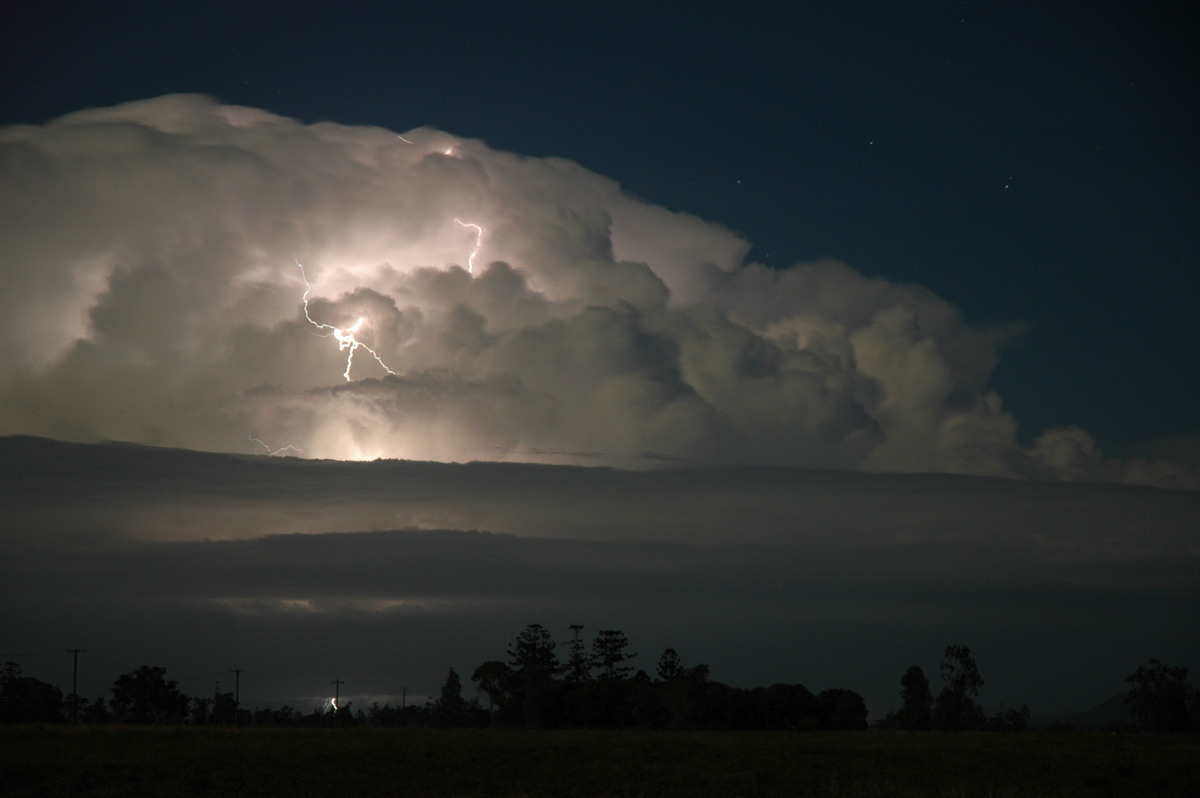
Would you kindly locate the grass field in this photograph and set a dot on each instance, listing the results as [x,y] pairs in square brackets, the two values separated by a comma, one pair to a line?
[123,761]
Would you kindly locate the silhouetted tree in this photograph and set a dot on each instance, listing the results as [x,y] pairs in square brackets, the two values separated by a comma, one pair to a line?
[608,652]
[669,665]
[450,709]
[200,714]
[780,706]
[644,701]
[145,696]
[916,713]
[385,715]
[842,709]
[534,666]
[81,705]
[451,697]
[1160,697]
[687,698]
[579,666]
[532,656]
[285,716]
[24,699]
[96,712]
[224,709]
[956,708]
[495,680]
[533,689]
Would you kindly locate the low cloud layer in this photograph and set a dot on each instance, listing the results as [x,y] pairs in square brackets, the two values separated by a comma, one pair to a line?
[196,562]
[501,308]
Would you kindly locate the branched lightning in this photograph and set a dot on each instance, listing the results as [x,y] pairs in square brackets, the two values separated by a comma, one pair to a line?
[345,338]
[272,452]
[478,238]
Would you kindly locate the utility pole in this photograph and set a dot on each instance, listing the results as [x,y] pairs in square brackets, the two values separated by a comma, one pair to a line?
[75,683]
[237,694]
[337,686]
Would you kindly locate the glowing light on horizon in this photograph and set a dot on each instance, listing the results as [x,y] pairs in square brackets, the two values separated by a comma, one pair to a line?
[478,239]
[345,338]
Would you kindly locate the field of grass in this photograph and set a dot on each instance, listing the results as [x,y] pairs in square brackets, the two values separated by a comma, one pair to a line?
[123,761]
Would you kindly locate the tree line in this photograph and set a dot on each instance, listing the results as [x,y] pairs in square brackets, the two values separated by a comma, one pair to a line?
[595,687]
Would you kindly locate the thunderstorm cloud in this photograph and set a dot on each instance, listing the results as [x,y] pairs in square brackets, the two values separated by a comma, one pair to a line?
[153,292]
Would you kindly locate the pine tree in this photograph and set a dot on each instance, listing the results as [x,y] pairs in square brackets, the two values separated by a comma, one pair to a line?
[608,652]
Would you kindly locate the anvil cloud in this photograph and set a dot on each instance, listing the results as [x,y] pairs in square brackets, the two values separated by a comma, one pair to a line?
[151,294]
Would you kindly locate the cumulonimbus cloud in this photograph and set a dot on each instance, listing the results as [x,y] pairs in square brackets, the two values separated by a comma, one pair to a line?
[152,294]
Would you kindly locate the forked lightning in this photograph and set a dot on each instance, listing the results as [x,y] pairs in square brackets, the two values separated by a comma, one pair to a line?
[345,338]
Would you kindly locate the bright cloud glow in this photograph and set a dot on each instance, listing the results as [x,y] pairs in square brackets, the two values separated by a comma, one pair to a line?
[150,253]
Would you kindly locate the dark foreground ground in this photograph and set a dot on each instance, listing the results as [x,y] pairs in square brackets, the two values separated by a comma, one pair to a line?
[122,761]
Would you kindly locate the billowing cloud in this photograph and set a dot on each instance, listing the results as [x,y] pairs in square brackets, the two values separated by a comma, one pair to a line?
[153,293]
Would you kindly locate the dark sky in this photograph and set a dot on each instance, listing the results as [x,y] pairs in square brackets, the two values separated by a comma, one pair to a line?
[1027,162]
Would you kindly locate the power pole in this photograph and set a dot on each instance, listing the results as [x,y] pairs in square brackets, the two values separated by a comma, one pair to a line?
[337,686]
[75,683]
[237,694]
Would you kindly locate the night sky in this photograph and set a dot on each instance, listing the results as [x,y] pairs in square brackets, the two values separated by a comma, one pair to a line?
[904,287]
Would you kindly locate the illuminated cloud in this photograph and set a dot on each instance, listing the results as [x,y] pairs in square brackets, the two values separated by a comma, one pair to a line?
[152,294]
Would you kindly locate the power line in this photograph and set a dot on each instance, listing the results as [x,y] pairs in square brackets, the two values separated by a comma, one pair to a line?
[75,683]
[237,694]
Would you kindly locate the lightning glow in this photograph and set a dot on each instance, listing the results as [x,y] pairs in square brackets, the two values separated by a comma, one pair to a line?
[478,239]
[272,452]
[345,338]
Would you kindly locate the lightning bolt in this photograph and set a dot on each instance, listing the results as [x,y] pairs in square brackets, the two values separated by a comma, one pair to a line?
[478,238]
[345,338]
[271,452]
[448,151]
[478,230]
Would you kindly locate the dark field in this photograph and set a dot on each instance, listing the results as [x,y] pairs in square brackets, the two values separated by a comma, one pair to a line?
[116,761]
